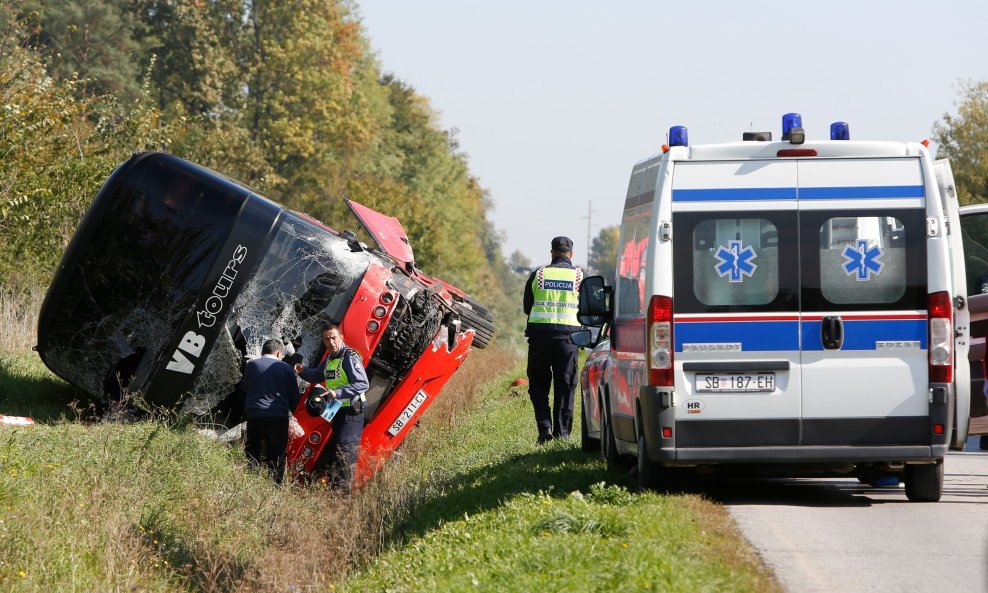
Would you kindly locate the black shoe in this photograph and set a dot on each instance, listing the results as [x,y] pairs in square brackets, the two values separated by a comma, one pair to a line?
[543,438]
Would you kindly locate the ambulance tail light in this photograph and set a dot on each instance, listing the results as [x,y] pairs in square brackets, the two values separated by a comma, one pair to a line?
[941,338]
[660,351]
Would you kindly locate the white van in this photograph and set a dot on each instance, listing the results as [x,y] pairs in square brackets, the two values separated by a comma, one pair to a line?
[793,304]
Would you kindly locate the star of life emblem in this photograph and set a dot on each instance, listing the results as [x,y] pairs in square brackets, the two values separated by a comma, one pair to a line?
[734,261]
[861,260]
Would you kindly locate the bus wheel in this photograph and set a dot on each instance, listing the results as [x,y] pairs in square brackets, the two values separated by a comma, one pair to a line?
[924,482]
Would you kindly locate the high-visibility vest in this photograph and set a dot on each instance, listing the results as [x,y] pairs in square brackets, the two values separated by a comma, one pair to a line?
[336,375]
[557,297]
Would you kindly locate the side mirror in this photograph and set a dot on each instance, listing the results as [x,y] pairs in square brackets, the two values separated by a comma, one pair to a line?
[595,306]
[582,338]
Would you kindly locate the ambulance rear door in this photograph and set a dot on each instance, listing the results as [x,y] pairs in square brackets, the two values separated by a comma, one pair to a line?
[736,310]
[863,293]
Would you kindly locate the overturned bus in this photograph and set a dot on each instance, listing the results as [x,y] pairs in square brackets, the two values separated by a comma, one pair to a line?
[176,276]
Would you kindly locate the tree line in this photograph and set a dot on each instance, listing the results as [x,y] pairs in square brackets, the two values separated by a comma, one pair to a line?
[286,97]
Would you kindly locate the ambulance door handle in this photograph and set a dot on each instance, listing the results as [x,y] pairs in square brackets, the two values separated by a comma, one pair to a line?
[832,332]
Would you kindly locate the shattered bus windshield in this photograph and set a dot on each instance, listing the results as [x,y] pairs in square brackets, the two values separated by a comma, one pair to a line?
[307,278]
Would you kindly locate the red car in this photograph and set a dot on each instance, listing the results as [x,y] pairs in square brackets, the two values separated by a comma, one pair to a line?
[176,276]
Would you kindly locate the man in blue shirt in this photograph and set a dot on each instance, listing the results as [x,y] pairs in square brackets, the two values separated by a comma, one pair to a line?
[272,395]
[346,381]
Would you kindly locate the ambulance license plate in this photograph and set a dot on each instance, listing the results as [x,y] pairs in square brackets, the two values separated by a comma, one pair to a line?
[735,382]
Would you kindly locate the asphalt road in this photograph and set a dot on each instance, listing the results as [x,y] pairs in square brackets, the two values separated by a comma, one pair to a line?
[838,535]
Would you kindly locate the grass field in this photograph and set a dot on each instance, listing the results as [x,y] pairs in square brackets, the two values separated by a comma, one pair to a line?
[153,506]
[27,388]
[495,512]
[467,503]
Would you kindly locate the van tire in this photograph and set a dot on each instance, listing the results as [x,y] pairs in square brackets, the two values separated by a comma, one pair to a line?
[649,473]
[924,481]
[658,477]
[608,446]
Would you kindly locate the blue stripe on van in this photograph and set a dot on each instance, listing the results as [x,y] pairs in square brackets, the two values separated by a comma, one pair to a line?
[752,335]
[803,193]
[734,194]
[861,192]
[862,334]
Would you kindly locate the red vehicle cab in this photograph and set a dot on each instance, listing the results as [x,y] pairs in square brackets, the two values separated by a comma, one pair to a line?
[176,276]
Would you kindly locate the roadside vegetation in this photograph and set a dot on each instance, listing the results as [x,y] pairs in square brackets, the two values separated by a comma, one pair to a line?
[88,504]
[495,512]
[468,503]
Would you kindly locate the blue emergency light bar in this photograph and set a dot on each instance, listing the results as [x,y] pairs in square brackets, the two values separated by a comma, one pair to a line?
[839,130]
[678,136]
[790,121]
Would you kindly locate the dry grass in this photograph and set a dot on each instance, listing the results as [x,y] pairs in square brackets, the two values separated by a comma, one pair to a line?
[320,537]
[111,507]
[19,320]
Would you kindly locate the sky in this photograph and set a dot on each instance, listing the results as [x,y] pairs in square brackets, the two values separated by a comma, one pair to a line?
[554,102]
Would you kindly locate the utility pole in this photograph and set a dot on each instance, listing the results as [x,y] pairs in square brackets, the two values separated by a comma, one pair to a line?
[589,225]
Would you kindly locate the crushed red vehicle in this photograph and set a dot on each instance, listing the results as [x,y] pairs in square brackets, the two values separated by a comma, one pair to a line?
[177,275]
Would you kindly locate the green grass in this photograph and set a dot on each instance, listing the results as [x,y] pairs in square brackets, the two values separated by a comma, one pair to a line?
[469,502]
[104,507]
[153,506]
[498,513]
[28,388]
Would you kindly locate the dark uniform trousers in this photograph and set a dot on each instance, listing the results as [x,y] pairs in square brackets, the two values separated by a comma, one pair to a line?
[339,459]
[266,440]
[552,361]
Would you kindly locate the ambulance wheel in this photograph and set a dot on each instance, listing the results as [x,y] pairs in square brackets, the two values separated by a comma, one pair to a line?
[608,444]
[924,481]
[655,476]
[649,473]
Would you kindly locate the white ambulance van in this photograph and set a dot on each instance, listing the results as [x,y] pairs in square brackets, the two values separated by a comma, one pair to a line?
[792,306]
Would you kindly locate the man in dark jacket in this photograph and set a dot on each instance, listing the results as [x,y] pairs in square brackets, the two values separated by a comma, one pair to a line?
[551,300]
[272,395]
[346,382]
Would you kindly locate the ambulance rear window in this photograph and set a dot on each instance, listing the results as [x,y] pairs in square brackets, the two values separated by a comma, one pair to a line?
[862,260]
[735,262]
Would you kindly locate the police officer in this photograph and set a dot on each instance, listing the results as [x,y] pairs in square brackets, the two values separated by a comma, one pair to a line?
[551,301]
[346,381]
